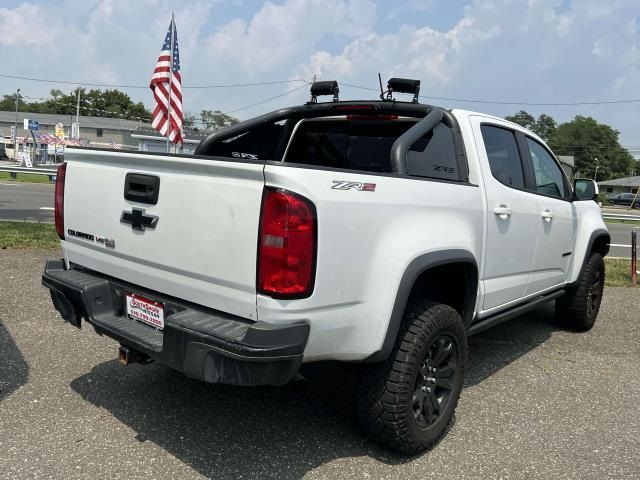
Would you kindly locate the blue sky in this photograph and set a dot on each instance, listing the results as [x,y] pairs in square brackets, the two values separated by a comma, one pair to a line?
[536,51]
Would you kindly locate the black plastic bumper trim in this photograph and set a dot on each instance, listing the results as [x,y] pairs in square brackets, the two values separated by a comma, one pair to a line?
[203,343]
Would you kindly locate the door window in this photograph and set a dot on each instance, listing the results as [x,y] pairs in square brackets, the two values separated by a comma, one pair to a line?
[502,152]
[549,179]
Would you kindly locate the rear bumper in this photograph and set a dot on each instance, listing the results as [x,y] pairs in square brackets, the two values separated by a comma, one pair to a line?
[204,344]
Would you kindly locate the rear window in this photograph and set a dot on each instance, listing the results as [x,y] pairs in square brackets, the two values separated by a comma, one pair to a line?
[366,146]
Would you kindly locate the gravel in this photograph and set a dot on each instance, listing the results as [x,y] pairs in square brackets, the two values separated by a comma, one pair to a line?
[538,402]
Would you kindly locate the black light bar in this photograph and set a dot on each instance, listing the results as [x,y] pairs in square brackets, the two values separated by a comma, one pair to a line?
[326,87]
[404,85]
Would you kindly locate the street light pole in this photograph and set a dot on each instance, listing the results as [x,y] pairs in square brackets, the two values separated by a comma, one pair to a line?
[15,142]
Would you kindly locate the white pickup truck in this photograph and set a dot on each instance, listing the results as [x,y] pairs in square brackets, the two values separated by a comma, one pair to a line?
[380,233]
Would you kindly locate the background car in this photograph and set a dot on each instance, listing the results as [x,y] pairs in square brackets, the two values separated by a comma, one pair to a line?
[625,199]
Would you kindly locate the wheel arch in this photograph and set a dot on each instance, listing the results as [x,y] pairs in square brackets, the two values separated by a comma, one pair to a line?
[598,242]
[451,267]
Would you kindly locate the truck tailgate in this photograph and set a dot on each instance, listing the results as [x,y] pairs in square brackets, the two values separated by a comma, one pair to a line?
[203,246]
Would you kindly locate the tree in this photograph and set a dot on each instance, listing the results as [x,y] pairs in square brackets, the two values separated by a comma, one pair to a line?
[593,145]
[544,126]
[96,103]
[216,119]
[8,102]
[522,118]
[189,122]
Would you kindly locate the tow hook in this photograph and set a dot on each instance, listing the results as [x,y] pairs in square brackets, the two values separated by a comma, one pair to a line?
[128,355]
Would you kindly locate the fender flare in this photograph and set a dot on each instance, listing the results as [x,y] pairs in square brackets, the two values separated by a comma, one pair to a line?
[595,236]
[417,267]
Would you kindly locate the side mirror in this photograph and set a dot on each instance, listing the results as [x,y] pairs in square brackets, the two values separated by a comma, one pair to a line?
[585,189]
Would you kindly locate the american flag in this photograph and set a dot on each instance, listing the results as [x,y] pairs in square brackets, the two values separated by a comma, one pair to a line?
[162,76]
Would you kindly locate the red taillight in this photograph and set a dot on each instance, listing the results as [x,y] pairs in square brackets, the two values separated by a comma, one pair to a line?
[287,245]
[59,200]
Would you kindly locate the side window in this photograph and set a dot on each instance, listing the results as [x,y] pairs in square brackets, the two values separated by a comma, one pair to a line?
[548,175]
[504,158]
[434,155]
[258,144]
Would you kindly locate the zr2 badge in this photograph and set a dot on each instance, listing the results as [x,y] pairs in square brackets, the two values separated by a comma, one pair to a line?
[359,186]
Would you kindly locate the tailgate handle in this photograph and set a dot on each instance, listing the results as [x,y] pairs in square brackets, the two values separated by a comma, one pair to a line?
[142,188]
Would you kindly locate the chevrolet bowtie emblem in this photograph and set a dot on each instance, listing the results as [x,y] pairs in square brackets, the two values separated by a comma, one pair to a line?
[138,219]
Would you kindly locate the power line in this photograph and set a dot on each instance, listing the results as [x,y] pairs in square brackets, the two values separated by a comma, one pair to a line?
[85,84]
[360,87]
[267,100]
[499,102]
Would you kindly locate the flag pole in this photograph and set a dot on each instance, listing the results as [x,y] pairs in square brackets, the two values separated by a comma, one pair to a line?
[170,79]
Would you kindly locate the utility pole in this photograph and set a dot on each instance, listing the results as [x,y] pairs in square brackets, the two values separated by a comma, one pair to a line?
[78,116]
[15,143]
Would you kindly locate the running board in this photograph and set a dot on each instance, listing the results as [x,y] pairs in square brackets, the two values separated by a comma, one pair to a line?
[501,317]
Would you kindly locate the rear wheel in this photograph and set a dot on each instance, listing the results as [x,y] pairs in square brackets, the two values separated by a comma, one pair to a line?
[407,402]
[579,307]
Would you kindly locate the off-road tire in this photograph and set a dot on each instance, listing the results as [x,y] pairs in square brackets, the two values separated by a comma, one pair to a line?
[389,410]
[578,308]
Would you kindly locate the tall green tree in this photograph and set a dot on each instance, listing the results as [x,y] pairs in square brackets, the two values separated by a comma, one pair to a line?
[593,145]
[213,120]
[522,118]
[96,103]
[543,126]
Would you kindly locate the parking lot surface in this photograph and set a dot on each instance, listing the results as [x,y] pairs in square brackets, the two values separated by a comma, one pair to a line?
[538,402]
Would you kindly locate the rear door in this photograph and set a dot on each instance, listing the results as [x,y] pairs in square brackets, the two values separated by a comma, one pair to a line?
[197,241]
[512,219]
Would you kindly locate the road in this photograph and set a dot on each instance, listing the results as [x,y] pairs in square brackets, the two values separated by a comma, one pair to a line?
[538,402]
[620,239]
[26,201]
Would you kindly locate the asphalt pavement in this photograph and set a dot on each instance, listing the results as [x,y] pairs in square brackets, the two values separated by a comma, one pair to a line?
[538,402]
[620,239]
[32,202]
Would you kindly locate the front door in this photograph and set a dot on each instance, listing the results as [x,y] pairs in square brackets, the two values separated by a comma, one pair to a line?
[556,222]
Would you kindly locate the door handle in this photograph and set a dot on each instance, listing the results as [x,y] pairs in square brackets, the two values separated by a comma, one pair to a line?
[547,215]
[502,211]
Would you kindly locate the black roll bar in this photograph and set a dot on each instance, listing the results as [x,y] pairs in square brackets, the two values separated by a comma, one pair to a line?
[403,142]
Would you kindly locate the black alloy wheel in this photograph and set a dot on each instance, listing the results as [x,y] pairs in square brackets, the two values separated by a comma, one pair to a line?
[434,380]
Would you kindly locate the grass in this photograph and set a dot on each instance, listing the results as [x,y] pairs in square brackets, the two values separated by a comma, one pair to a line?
[618,272]
[24,177]
[628,222]
[23,235]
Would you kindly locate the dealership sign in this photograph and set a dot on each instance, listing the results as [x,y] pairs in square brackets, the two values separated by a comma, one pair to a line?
[31,124]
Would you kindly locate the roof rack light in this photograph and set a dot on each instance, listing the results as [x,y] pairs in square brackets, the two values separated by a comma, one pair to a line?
[403,85]
[326,87]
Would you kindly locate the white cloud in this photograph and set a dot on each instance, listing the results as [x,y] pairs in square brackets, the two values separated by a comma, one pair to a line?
[535,50]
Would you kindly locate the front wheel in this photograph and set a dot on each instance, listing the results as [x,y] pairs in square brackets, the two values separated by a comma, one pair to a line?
[580,305]
[407,402]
